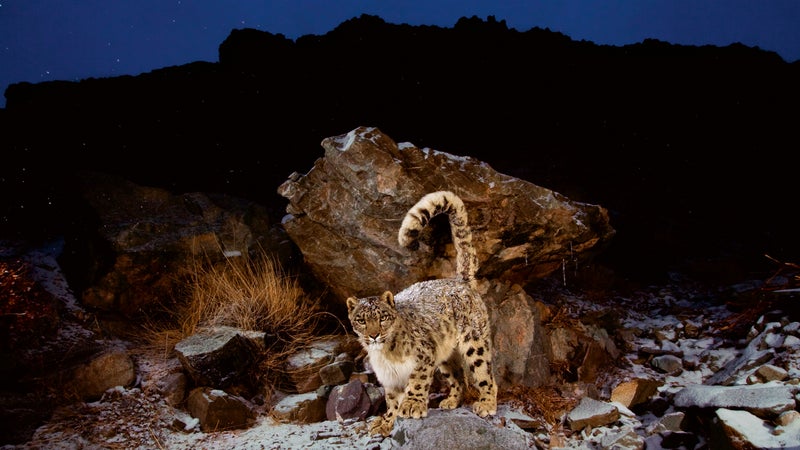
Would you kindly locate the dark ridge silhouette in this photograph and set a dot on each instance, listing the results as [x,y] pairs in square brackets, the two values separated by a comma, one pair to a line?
[690,147]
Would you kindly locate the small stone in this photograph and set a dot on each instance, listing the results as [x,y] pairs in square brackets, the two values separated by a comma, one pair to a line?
[769,372]
[592,413]
[667,363]
[336,373]
[787,418]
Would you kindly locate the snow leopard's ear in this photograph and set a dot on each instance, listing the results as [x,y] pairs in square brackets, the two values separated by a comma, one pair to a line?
[351,303]
[388,298]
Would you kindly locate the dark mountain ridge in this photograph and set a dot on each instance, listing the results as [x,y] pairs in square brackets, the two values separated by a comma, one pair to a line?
[690,147]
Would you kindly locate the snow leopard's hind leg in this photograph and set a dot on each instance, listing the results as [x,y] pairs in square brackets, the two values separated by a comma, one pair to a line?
[476,349]
[453,373]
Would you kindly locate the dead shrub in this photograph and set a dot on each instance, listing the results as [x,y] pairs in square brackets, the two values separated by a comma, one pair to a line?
[250,292]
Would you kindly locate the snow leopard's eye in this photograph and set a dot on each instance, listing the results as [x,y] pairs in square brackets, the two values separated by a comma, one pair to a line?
[384,317]
[361,321]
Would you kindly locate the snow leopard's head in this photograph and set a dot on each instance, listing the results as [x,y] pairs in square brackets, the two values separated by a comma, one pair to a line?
[373,318]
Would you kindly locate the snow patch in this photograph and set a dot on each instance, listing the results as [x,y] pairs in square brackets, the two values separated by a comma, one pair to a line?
[345,141]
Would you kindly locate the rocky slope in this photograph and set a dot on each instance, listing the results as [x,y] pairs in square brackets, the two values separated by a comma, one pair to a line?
[700,368]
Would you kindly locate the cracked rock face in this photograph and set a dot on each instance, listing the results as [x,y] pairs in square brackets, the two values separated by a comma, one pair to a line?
[344,215]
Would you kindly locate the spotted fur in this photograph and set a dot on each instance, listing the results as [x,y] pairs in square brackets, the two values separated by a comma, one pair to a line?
[430,206]
[436,324]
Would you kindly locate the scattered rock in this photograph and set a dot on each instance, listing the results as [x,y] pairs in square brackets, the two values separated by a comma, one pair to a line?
[350,401]
[769,372]
[304,366]
[667,363]
[217,410]
[592,413]
[669,422]
[763,400]
[624,438]
[457,429]
[634,392]
[107,370]
[337,372]
[520,341]
[173,388]
[788,418]
[742,435]
[300,408]
[218,356]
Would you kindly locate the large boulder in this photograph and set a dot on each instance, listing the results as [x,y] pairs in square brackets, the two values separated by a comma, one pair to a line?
[344,215]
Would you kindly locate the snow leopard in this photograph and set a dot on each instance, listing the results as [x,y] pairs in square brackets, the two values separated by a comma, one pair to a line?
[434,324]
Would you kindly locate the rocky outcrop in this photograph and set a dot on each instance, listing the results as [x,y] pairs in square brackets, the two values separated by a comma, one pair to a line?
[345,212]
[132,256]
[344,216]
[642,412]
[523,351]
[754,405]
[632,128]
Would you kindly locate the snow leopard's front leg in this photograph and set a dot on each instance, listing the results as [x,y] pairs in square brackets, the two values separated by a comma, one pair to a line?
[415,403]
[383,424]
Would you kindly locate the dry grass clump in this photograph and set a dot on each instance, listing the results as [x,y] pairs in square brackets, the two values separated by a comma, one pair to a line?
[249,292]
[542,401]
[778,293]
[28,313]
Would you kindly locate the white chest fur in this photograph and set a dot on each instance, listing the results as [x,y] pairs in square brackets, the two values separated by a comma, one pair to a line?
[393,374]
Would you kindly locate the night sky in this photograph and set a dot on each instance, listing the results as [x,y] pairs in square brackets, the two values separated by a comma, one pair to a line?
[43,40]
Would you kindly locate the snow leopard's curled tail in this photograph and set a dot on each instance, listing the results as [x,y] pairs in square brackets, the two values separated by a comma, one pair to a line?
[429,207]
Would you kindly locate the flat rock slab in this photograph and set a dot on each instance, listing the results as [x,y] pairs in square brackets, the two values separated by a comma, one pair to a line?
[763,400]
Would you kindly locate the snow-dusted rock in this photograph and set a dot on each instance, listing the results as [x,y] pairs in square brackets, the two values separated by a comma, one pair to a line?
[217,410]
[751,357]
[218,356]
[746,431]
[669,422]
[763,400]
[635,391]
[624,438]
[300,408]
[457,429]
[304,366]
[111,368]
[771,372]
[591,412]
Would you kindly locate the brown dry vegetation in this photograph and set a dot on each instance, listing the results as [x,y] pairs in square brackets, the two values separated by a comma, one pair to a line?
[544,402]
[752,304]
[28,313]
[249,292]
